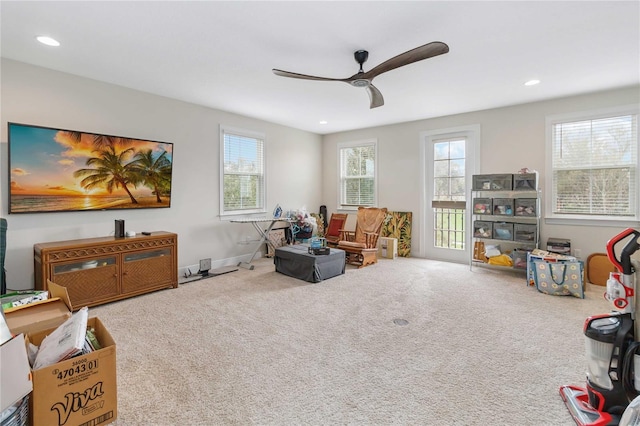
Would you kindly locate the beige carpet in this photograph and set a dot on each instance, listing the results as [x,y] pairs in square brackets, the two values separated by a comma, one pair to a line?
[260,348]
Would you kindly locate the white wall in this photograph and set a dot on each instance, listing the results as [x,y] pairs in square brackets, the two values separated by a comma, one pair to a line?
[34,95]
[512,138]
[302,167]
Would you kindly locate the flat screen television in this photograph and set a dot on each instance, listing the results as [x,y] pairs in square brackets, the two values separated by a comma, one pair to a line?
[55,170]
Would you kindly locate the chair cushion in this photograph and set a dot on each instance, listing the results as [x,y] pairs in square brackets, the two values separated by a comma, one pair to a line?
[598,268]
[352,244]
[335,225]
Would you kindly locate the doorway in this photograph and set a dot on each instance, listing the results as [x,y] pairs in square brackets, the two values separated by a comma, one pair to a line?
[450,160]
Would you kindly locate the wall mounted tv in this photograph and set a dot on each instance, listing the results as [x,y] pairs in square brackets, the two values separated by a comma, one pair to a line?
[55,170]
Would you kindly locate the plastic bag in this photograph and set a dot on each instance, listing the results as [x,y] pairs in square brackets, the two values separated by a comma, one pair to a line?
[492,250]
[502,260]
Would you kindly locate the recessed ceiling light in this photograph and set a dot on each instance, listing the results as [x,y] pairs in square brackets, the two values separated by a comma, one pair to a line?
[532,82]
[324,122]
[48,41]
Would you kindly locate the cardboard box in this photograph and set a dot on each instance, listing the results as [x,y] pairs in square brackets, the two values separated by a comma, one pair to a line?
[18,298]
[5,333]
[15,373]
[387,247]
[40,315]
[78,391]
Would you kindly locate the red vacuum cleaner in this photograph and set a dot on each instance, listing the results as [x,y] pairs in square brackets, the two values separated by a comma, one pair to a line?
[612,346]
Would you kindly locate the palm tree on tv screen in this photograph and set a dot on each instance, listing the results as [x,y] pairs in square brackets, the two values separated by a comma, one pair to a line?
[99,141]
[154,173]
[109,172]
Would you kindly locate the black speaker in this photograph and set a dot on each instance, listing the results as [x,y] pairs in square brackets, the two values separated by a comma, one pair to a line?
[119,233]
[323,212]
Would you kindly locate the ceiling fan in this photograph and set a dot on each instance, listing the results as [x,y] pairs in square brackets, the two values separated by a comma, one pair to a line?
[363,79]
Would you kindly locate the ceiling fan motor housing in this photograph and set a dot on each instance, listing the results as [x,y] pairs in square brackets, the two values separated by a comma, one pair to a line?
[361,57]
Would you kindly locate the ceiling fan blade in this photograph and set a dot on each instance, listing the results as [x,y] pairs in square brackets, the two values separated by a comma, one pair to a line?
[375,96]
[303,76]
[429,50]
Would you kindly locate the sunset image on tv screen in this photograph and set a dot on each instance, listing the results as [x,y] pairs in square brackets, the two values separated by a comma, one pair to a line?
[54,170]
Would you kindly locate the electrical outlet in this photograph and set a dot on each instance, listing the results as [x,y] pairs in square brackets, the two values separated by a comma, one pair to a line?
[205,264]
[577,253]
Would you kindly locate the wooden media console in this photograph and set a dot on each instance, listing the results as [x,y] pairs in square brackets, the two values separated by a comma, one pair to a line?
[101,270]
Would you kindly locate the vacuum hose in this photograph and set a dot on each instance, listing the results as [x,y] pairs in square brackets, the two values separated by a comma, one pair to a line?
[627,377]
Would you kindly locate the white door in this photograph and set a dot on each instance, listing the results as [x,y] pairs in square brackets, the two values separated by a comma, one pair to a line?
[449,162]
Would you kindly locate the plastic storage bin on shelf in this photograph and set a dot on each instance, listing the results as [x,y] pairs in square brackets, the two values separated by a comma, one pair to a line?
[482,206]
[502,182]
[526,207]
[503,231]
[519,257]
[525,182]
[482,229]
[525,232]
[503,206]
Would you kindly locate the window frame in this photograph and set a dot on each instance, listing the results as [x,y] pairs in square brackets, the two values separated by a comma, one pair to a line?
[356,144]
[262,189]
[577,219]
[450,204]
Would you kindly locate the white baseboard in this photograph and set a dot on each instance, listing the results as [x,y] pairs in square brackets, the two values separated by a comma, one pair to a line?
[183,271]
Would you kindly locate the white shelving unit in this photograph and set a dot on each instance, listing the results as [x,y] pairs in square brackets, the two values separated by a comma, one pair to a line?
[505,212]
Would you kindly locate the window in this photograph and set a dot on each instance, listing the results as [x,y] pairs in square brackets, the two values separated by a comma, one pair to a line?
[594,166]
[357,174]
[242,177]
[449,193]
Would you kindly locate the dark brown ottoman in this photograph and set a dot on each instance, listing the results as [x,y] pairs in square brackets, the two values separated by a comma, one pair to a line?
[296,262]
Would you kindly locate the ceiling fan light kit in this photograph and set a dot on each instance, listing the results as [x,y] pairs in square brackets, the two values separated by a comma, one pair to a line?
[360,83]
[363,79]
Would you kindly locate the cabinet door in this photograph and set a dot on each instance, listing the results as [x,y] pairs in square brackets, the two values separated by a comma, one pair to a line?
[89,280]
[144,270]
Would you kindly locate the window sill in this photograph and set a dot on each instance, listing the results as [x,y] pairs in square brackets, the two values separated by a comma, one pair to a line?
[236,215]
[617,223]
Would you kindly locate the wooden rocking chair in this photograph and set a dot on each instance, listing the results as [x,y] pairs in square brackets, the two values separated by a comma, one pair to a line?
[361,245]
[336,224]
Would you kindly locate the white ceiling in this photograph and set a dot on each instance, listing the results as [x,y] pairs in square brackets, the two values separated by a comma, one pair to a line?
[220,54]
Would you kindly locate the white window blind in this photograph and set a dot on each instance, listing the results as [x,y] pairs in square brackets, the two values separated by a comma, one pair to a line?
[357,174]
[595,166]
[243,173]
